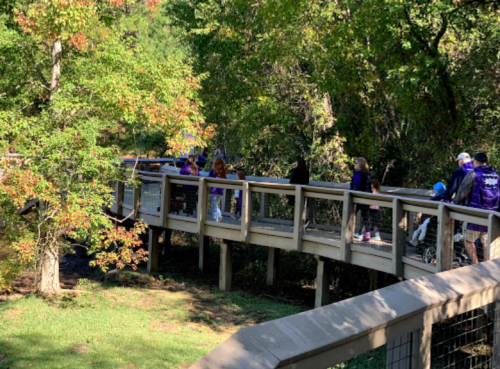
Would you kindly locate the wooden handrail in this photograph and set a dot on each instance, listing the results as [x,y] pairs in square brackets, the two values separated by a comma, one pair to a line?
[333,334]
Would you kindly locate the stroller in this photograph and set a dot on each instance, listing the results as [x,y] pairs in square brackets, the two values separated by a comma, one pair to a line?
[424,241]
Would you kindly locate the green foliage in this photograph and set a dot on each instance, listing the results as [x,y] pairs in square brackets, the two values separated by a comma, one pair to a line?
[402,83]
[68,78]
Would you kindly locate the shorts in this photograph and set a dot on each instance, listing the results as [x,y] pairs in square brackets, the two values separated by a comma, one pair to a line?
[472,236]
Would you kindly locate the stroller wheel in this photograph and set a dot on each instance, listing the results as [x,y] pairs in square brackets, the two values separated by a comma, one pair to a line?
[429,255]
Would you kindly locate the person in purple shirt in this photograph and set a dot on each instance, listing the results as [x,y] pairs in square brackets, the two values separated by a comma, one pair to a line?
[190,169]
[464,167]
[482,189]
[362,181]
[218,171]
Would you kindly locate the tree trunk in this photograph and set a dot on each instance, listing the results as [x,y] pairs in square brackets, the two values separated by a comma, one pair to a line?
[48,283]
[55,74]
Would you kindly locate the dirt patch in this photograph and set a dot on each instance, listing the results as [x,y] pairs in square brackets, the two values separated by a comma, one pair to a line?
[13,312]
[160,325]
[81,347]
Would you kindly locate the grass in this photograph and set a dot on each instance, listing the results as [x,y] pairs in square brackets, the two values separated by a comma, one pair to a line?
[126,327]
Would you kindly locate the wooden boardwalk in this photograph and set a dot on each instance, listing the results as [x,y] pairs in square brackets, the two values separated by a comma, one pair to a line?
[161,201]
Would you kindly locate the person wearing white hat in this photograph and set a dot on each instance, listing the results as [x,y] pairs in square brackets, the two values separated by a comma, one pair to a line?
[464,166]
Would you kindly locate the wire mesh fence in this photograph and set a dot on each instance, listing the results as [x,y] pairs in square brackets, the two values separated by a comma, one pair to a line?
[422,237]
[323,218]
[184,200]
[128,196]
[373,227]
[216,204]
[273,212]
[151,195]
[464,341]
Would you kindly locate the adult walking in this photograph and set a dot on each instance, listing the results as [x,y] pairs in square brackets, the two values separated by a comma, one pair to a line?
[190,169]
[481,188]
[362,181]
[464,167]
[218,171]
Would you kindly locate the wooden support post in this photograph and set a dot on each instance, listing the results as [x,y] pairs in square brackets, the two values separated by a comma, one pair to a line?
[120,189]
[226,265]
[422,339]
[246,213]
[272,265]
[444,252]
[167,241]
[165,201]
[153,249]
[298,218]
[347,232]
[398,236]
[493,237]
[322,282]
[264,205]
[204,241]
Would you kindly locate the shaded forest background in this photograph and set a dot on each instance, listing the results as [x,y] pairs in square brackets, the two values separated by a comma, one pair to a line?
[406,84]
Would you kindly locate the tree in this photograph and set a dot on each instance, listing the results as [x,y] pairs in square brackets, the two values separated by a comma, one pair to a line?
[68,75]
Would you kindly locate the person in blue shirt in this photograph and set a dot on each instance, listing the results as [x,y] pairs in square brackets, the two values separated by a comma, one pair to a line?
[464,167]
[362,181]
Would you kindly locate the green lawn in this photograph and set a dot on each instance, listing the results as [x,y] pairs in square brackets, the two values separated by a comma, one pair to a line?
[126,327]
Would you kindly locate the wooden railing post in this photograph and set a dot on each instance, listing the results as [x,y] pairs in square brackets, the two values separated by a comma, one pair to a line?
[246,213]
[422,340]
[444,250]
[120,189]
[493,237]
[347,232]
[298,218]
[165,201]
[137,201]
[398,236]
[201,218]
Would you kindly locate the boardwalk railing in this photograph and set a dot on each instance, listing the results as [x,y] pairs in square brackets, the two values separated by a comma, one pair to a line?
[331,214]
[449,320]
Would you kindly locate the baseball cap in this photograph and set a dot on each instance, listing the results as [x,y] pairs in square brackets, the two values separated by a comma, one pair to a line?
[481,157]
[462,156]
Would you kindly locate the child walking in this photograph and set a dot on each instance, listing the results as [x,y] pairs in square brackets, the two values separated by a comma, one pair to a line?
[218,171]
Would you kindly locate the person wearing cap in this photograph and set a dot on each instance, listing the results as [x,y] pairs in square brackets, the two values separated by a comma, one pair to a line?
[481,187]
[464,167]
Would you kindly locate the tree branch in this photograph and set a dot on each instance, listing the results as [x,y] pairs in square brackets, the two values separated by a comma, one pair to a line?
[441,33]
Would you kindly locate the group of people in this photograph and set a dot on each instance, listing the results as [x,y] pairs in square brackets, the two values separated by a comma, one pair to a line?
[474,184]
[218,170]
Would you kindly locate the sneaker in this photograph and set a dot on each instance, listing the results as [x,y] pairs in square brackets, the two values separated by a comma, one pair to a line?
[376,238]
[367,237]
[220,219]
[357,235]
[232,216]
